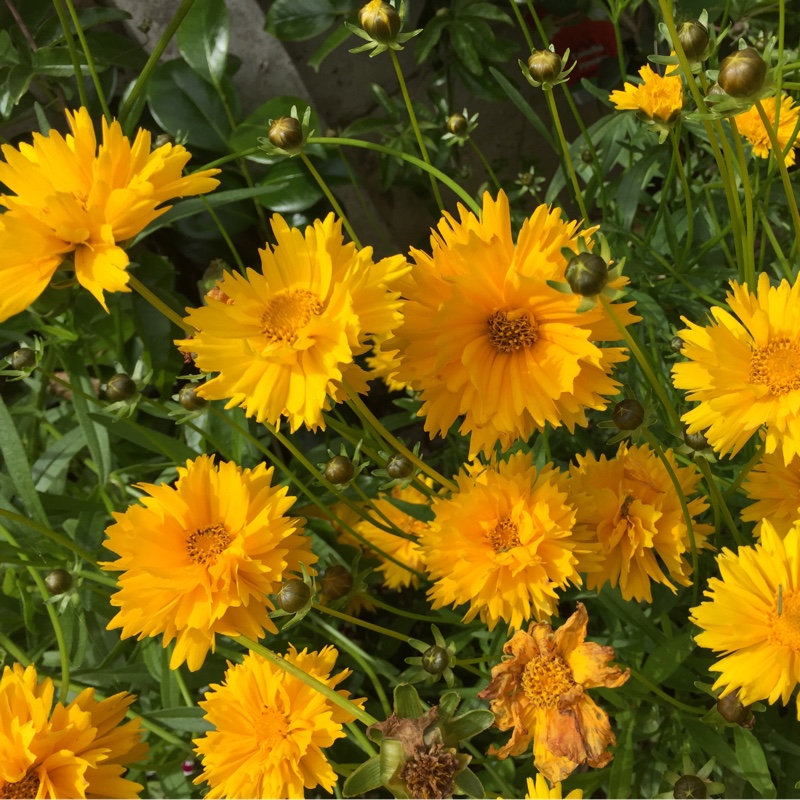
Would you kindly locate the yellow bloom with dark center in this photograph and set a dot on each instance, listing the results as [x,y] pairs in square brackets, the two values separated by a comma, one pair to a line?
[503,543]
[486,336]
[52,750]
[660,99]
[199,558]
[270,728]
[775,489]
[283,339]
[751,126]
[752,617]
[539,692]
[539,790]
[71,198]
[628,506]
[744,370]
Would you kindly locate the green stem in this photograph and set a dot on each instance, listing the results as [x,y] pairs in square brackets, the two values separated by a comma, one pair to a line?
[98,87]
[522,26]
[331,199]
[745,470]
[144,76]
[415,125]
[17,654]
[687,196]
[158,304]
[309,680]
[618,39]
[551,104]
[218,162]
[360,622]
[537,22]
[601,184]
[723,505]
[227,239]
[402,613]
[73,53]
[637,676]
[417,162]
[58,538]
[749,234]
[767,227]
[486,164]
[183,688]
[361,740]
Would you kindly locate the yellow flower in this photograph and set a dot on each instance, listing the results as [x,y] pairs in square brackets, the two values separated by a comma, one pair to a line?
[283,340]
[659,98]
[405,551]
[484,335]
[752,617]
[271,728]
[72,198]
[540,692]
[384,363]
[745,372]
[775,488]
[752,128]
[198,558]
[539,790]
[77,750]
[628,506]
[503,543]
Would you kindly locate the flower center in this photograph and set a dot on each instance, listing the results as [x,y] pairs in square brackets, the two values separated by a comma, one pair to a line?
[785,629]
[777,365]
[504,535]
[287,312]
[429,775]
[270,728]
[205,544]
[27,787]
[510,331]
[545,680]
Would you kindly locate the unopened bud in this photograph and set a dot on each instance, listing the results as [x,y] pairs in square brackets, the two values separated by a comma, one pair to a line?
[189,398]
[399,466]
[380,21]
[293,596]
[628,414]
[286,133]
[690,786]
[544,66]
[58,581]
[457,124]
[695,441]
[732,710]
[742,73]
[24,358]
[587,274]
[693,36]
[336,582]
[339,470]
[120,387]
[435,660]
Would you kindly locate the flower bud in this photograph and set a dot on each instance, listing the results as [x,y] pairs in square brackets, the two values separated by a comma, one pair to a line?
[380,21]
[732,710]
[676,344]
[293,596]
[435,660]
[58,581]
[695,441]
[161,140]
[690,786]
[457,124]
[339,470]
[286,133]
[120,387]
[189,398]
[544,65]
[587,274]
[693,36]
[742,73]
[628,414]
[336,582]
[399,466]
[24,358]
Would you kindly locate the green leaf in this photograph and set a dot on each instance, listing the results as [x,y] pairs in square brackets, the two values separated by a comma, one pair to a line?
[468,725]
[487,11]
[406,702]
[467,783]
[668,656]
[621,778]
[181,718]
[419,511]
[51,31]
[289,188]
[293,20]
[19,470]
[461,41]
[184,104]
[364,778]
[522,104]
[49,471]
[338,36]
[155,442]
[55,62]
[76,633]
[203,38]
[753,762]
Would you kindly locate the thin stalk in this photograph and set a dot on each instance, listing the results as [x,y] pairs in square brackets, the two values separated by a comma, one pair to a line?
[17,654]
[551,104]
[402,613]
[713,212]
[417,162]
[98,87]
[618,40]
[361,623]
[309,680]
[183,688]
[743,473]
[218,162]
[723,505]
[486,164]
[750,233]
[601,184]
[361,740]
[331,199]
[226,237]
[637,676]
[73,53]
[53,536]
[537,22]
[158,304]
[522,26]
[687,195]
[415,125]
[767,227]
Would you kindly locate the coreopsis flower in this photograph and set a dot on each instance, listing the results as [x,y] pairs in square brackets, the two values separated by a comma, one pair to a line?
[751,126]
[486,335]
[539,790]
[745,372]
[774,488]
[77,750]
[283,339]
[759,588]
[511,528]
[659,99]
[270,727]
[628,506]
[539,691]
[383,364]
[198,558]
[74,204]
[404,550]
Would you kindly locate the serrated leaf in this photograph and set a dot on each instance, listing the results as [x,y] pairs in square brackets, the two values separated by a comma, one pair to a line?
[203,38]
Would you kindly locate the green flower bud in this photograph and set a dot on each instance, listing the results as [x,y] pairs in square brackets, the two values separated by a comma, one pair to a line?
[399,466]
[695,441]
[693,36]
[58,581]
[380,21]
[293,596]
[189,398]
[587,274]
[339,470]
[336,582]
[690,786]
[544,66]
[457,124]
[435,660]
[628,414]
[676,344]
[742,73]
[22,359]
[120,387]
[286,133]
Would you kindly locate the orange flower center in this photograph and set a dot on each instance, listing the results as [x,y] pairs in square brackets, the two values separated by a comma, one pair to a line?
[785,629]
[287,312]
[510,331]
[27,787]
[545,680]
[777,365]
[270,728]
[205,544]
[504,535]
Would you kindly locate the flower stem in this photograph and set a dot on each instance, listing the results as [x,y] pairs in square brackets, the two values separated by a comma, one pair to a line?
[551,104]
[687,196]
[745,471]
[73,52]
[749,232]
[218,162]
[360,622]
[331,199]
[402,613]
[53,536]
[637,676]
[522,26]
[486,164]
[415,125]
[719,497]
[158,304]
